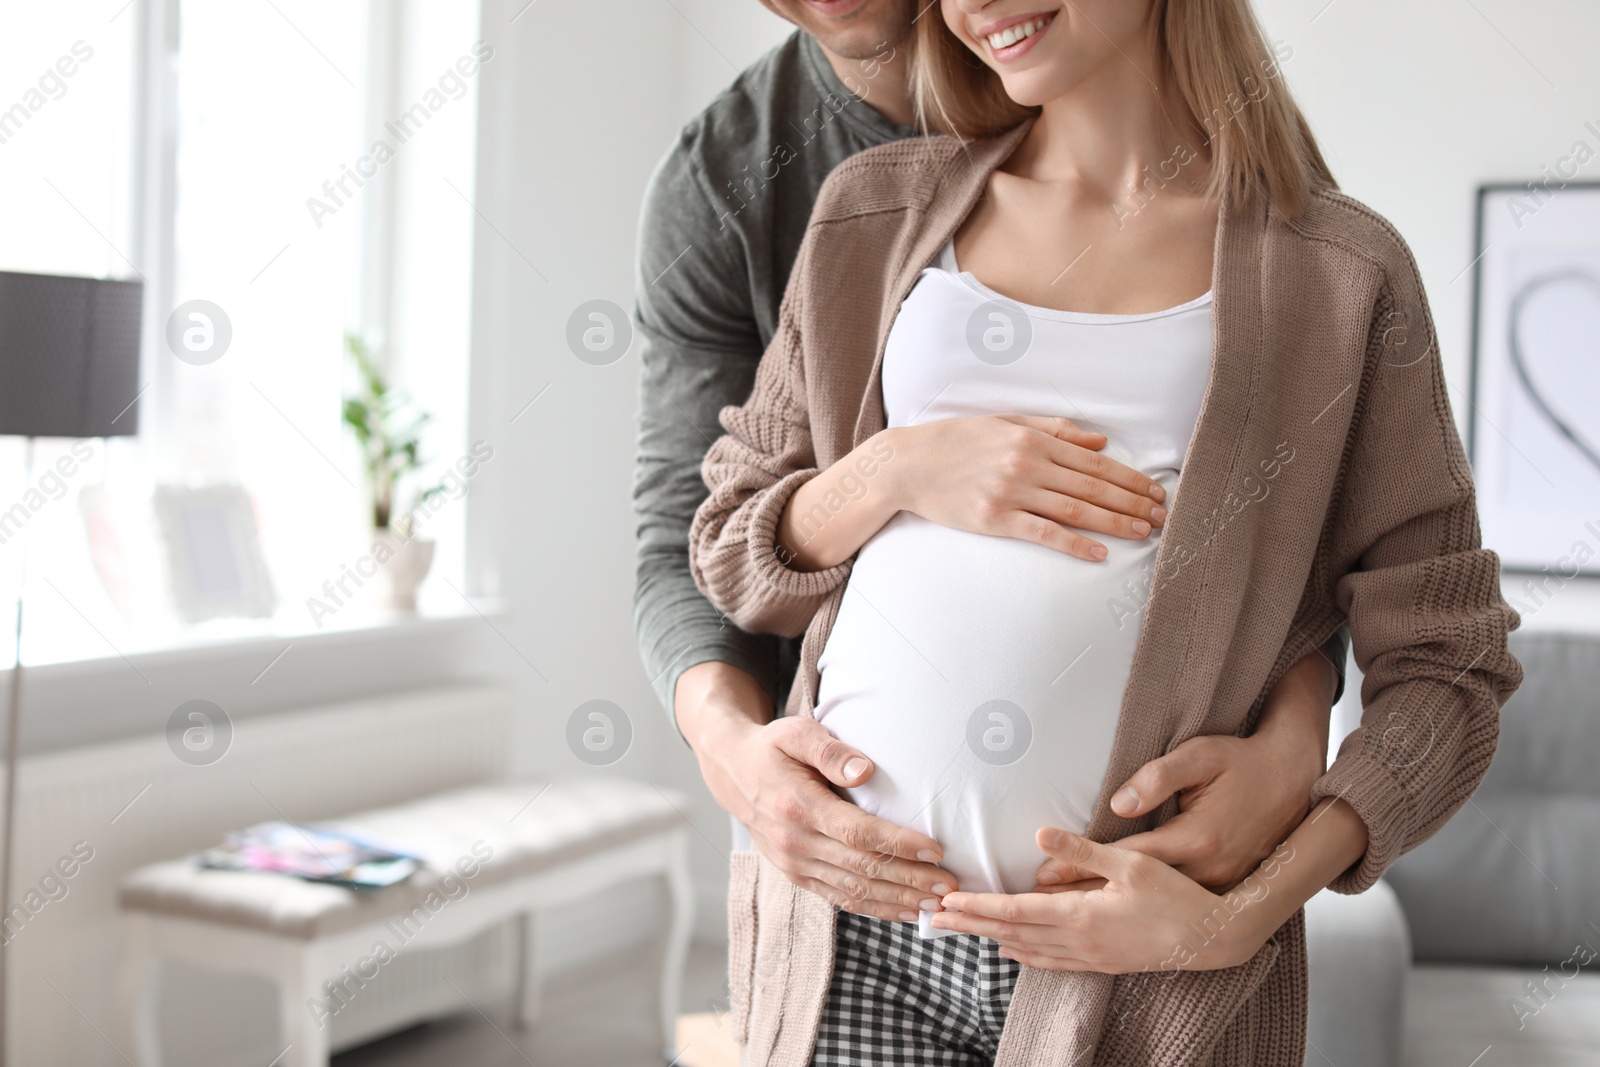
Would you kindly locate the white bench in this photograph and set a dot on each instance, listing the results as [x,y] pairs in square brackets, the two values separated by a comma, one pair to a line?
[492,853]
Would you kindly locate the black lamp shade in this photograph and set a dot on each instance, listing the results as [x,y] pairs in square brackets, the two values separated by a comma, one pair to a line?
[69,356]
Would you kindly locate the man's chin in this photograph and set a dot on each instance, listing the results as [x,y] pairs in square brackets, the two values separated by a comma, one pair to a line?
[836,9]
[851,29]
[860,46]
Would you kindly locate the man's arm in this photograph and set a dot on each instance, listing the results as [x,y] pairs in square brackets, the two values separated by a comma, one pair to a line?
[700,351]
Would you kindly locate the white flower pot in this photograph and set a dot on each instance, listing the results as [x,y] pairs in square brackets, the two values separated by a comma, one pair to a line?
[404,565]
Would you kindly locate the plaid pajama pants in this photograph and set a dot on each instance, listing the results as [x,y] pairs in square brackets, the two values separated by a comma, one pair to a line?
[900,1001]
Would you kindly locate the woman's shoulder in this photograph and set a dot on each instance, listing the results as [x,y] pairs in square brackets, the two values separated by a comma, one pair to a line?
[908,173]
[886,177]
[1339,225]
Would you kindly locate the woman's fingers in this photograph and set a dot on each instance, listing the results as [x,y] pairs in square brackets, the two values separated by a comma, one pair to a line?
[1035,921]
[1054,877]
[1078,513]
[1089,857]
[1034,478]
[1047,531]
[993,929]
[1063,429]
[1023,909]
[1055,520]
[1099,465]
[1051,951]
[1045,961]
[1124,504]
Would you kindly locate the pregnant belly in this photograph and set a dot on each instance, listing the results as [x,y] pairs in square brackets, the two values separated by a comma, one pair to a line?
[984,677]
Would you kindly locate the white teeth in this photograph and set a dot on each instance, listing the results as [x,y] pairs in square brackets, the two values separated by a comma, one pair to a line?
[1012,34]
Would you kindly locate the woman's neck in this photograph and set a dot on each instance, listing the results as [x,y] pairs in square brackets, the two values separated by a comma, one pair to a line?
[1108,135]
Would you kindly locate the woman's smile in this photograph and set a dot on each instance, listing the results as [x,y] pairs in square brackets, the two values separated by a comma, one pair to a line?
[1011,38]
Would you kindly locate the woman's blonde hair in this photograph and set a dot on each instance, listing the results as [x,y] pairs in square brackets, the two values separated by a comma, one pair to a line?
[1211,52]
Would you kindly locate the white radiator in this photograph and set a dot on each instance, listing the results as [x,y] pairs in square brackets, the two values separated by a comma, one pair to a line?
[135,802]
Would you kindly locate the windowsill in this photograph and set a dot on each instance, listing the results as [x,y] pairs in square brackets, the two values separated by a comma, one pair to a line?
[266,638]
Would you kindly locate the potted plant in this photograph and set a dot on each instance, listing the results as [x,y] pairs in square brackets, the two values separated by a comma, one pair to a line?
[388,427]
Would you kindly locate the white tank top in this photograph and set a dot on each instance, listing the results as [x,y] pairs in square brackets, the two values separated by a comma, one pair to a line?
[984,675]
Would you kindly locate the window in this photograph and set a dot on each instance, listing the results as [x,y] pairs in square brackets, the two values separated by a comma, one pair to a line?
[253,181]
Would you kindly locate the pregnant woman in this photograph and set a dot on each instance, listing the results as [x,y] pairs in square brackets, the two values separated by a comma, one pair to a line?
[1124,239]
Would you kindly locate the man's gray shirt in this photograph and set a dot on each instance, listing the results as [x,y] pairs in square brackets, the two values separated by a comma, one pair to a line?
[723,219]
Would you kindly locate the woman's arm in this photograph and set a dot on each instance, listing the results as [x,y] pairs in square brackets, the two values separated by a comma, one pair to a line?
[1422,595]
[752,471]
[776,534]
[1030,477]
[831,516]
[1146,916]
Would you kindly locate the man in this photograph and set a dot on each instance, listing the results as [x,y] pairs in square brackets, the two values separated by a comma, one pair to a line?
[723,220]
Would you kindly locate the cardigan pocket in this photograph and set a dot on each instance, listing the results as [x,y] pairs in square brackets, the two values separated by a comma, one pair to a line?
[743,876]
[1175,1019]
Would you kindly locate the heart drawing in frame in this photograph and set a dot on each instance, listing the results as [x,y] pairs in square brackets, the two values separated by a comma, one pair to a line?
[1526,366]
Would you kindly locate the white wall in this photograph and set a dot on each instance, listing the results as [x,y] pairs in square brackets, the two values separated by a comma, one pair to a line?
[571,127]
[1418,103]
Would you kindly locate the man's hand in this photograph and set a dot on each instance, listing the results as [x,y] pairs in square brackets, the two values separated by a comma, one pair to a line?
[1238,797]
[774,777]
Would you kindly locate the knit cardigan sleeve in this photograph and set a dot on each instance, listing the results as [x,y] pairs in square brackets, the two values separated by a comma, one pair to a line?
[1422,596]
[752,471]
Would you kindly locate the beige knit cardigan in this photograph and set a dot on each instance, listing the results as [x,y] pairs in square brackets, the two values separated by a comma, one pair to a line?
[1325,482]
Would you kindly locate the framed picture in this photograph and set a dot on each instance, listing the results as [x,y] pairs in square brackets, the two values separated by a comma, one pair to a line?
[214,560]
[1535,429]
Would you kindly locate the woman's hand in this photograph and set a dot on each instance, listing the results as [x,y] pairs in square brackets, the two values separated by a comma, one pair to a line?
[1143,915]
[1022,476]
[1030,477]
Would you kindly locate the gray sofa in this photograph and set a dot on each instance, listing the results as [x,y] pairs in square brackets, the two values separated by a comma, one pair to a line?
[1359,952]
[1482,947]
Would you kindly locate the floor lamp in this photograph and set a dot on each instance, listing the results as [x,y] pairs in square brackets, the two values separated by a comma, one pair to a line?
[69,367]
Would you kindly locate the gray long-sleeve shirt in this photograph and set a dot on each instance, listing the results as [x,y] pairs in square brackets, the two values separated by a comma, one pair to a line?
[723,218]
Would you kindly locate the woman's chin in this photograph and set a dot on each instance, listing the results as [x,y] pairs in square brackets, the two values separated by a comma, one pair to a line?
[1027,91]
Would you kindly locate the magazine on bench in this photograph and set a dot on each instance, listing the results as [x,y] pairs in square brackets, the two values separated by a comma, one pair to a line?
[315,853]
